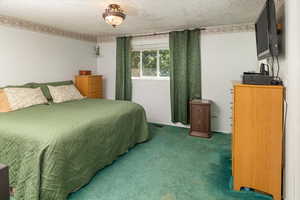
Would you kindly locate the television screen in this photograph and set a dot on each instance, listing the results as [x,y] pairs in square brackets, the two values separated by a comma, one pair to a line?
[261,26]
[266,33]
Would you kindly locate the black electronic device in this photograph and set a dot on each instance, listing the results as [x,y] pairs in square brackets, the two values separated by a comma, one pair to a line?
[257,79]
[266,32]
[264,69]
[277,82]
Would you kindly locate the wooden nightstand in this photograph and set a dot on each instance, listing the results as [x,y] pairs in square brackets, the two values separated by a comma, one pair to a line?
[200,118]
[90,85]
[4,182]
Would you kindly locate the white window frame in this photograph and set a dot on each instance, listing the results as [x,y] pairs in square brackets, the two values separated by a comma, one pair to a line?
[157,77]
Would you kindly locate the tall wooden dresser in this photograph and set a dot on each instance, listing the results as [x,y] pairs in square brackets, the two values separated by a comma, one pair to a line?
[90,85]
[257,147]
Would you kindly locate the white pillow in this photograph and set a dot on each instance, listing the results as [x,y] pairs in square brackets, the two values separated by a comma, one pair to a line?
[19,98]
[64,93]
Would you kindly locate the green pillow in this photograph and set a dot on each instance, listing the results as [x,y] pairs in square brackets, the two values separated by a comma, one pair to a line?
[45,89]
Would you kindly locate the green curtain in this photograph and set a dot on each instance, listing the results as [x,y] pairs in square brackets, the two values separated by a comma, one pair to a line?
[185,72]
[123,71]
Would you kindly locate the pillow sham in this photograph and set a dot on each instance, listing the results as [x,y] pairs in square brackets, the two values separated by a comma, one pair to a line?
[45,89]
[4,105]
[64,93]
[19,98]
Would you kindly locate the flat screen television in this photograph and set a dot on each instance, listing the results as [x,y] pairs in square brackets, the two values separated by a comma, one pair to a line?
[266,32]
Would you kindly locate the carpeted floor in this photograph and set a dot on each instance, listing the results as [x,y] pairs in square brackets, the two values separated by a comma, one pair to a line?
[171,166]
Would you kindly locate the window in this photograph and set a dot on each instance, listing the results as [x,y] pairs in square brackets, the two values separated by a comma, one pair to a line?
[150,63]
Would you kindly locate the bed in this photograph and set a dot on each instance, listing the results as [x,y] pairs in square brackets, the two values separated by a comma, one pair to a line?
[55,149]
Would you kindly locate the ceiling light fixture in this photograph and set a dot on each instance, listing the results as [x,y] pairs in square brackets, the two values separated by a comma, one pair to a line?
[114,15]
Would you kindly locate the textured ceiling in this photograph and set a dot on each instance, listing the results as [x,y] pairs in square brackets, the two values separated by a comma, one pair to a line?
[143,16]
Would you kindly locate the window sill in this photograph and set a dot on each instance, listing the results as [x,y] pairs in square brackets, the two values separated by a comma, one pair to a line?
[151,78]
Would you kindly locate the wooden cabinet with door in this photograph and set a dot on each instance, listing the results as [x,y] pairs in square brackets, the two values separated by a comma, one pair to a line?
[200,118]
[257,147]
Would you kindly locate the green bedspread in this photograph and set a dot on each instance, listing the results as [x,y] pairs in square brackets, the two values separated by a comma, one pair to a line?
[53,150]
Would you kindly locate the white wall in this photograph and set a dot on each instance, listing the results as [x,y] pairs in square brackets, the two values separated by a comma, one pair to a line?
[224,57]
[34,57]
[153,95]
[106,65]
[292,75]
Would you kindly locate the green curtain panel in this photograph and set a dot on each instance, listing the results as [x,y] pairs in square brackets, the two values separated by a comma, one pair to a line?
[185,72]
[123,71]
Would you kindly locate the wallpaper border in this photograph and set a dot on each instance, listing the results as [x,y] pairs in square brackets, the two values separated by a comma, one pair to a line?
[35,27]
[236,28]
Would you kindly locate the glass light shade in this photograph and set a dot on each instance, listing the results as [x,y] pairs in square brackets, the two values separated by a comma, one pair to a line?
[114,15]
[114,20]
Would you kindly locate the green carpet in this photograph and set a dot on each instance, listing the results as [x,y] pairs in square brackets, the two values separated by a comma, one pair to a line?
[171,166]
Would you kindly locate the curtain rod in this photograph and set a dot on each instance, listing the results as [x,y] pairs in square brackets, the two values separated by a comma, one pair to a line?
[155,34]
